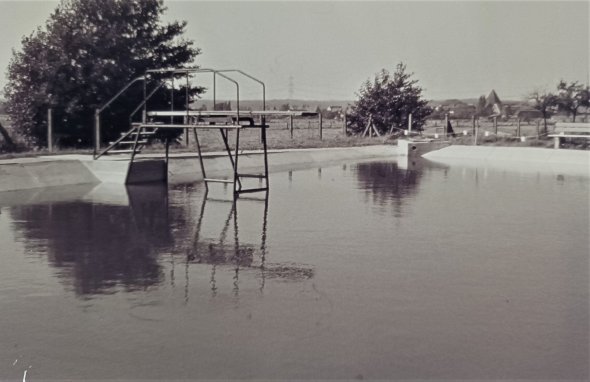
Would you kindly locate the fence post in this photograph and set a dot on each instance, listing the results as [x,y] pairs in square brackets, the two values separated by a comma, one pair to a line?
[291,125]
[446,125]
[538,123]
[495,126]
[518,127]
[321,126]
[409,123]
[96,131]
[344,127]
[473,124]
[50,130]
[476,132]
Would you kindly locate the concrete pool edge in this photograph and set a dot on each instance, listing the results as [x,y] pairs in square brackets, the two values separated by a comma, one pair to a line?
[61,170]
[522,159]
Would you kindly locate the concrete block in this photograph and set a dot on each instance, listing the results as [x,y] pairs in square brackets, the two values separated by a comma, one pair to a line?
[107,170]
[417,148]
[147,171]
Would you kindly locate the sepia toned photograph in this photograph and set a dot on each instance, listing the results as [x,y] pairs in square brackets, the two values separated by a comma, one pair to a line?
[294,190]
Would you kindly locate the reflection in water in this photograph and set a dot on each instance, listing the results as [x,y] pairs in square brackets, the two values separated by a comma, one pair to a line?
[227,250]
[394,183]
[100,246]
[388,184]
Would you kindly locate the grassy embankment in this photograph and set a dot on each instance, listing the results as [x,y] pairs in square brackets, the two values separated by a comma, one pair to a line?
[306,135]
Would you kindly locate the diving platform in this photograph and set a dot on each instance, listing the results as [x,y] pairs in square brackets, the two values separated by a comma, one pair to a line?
[154,123]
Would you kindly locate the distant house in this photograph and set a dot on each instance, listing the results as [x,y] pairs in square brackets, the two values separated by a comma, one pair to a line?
[494,104]
[335,112]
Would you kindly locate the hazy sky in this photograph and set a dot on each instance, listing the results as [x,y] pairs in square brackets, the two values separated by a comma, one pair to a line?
[456,49]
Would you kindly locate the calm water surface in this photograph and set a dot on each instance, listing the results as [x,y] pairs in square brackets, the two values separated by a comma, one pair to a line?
[360,270]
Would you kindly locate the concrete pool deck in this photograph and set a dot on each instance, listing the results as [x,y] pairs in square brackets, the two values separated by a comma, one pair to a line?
[518,159]
[60,170]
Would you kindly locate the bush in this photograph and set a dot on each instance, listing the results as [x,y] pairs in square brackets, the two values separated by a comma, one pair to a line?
[388,102]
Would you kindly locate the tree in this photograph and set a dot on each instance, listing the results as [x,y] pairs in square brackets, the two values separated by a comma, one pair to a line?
[543,101]
[86,52]
[388,100]
[572,96]
[481,109]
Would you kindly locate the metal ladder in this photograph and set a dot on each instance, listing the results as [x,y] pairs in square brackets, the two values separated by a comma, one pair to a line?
[130,142]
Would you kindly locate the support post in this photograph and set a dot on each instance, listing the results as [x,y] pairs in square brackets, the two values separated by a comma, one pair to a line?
[495,126]
[50,130]
[167,157]
[236,179]
[201,160]
[538,123]
[409,123]
[264,146]
[321,126]
[476,132]
[473,124]
[291,125]
[186,131]
[518,127]
[96,131]
[172,99]
[144,111]
[344,126]
[446,125]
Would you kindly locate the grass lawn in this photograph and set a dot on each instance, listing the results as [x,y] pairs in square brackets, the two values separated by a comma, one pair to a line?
[306,135]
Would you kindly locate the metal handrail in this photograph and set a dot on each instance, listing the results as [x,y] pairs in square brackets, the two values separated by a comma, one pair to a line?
[109,102]
[145,100]
[102,108]
[237,91]
[253,79]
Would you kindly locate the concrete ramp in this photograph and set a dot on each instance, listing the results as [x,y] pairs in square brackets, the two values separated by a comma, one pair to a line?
[27,175]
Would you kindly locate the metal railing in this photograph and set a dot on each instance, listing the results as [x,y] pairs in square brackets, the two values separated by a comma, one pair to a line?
[103,107]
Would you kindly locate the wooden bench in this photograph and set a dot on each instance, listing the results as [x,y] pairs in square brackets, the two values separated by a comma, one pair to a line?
[570,130]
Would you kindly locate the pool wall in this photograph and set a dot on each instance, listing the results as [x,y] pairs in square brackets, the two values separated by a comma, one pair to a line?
[60,170]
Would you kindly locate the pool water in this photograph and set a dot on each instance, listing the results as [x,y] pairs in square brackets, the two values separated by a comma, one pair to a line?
[365,270]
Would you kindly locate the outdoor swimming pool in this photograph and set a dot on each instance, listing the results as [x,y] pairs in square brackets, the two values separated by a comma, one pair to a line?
[358,270]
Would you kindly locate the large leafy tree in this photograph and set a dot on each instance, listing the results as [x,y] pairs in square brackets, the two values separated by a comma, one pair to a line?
[388,101]
[86,52]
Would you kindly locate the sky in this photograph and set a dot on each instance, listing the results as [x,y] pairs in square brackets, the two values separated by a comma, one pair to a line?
[326,50]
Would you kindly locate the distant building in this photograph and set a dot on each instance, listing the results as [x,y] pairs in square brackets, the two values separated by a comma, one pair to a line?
[494,104]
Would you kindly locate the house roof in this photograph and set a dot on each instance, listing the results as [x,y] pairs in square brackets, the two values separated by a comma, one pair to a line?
[493,99]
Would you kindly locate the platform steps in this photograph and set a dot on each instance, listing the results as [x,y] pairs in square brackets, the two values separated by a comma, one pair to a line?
[129,144]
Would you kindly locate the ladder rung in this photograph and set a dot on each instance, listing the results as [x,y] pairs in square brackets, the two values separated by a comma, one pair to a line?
[218,180]
[144,142]
[193,126]
[121,151]
[142,133]
[259,176]
[252,190]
